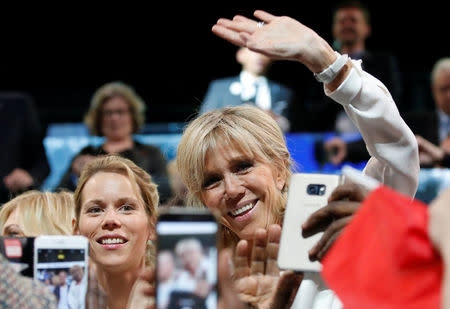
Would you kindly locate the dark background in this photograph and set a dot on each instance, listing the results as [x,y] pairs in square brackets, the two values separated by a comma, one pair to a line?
[61,53]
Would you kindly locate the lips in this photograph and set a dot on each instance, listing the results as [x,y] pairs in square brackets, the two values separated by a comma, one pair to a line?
[243,209]
[112,240]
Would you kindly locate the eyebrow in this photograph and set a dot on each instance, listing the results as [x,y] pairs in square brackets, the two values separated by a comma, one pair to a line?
[117,201]
[10,228]
[232,162]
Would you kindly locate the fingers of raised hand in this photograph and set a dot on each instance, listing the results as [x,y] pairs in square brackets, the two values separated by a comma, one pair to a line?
[264,16]
[273,244]
[241,262]
[257,265]
[227,34]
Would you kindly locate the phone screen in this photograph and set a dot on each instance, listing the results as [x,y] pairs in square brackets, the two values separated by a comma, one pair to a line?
[64,271]
[186,264]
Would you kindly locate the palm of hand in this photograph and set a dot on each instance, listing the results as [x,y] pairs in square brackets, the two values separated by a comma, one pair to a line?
[257,278]
[257,289]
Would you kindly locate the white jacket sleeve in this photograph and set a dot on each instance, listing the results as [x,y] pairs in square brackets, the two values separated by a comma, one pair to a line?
[392,145]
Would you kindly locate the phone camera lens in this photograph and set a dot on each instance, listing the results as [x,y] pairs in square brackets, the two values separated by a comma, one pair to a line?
[316,189]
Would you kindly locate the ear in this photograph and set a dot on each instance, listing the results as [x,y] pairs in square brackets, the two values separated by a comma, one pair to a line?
[280,181]
[75,230]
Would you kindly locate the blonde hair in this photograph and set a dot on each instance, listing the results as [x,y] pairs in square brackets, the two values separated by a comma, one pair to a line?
[140,180]
[105,93]
[245,128]
[41,213]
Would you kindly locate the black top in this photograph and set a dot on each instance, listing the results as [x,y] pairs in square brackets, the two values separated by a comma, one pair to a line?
[147,157]
[21,141]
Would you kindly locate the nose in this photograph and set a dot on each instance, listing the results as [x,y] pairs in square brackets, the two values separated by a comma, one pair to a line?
[233,187]
[111,220]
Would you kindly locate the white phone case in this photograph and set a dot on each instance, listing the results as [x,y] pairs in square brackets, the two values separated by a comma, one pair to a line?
[63,242]
[293,251]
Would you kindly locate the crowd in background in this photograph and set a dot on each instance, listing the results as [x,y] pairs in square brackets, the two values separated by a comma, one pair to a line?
[233,149]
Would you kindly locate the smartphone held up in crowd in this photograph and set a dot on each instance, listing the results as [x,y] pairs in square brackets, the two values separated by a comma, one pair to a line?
[307,194]
[186,259]
[61,262]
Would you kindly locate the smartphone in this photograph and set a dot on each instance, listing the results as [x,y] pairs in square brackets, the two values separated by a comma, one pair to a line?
[307,193]
[61,262]
[19,251]
[186,267]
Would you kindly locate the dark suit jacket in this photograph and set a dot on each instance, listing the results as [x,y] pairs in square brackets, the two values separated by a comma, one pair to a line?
[219,95]
[20,140]
[425,124]
[318,112]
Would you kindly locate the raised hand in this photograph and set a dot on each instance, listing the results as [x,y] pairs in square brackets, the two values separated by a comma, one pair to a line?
[257,277]
[279,38]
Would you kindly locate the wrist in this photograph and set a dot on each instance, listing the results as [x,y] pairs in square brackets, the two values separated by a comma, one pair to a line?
[330,73]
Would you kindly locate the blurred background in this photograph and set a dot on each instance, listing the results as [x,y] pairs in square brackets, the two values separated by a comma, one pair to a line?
[60,53]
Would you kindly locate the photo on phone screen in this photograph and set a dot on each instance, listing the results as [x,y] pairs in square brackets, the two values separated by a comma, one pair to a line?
[186,262]
[61,264]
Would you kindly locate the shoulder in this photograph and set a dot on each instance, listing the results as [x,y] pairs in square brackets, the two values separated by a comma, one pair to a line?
[279,86]
[224,81]
[379,56]
[146,147]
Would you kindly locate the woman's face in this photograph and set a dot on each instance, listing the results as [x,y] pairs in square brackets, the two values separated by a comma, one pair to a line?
[114,220]
[12,227]
[117,122]
[241,189]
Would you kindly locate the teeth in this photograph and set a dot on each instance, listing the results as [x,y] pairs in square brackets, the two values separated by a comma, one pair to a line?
[107,241]
[237,212]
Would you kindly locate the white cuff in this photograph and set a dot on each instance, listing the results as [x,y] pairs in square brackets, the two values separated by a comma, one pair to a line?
[330,73]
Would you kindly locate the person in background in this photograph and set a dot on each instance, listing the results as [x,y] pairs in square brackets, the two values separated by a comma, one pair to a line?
[351,27]
[63,290]
[23,162]
[253,87]
[77,289]
[433,128]
[117,112]
[166,274]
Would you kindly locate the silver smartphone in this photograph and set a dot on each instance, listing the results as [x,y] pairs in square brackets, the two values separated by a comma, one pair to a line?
[61,262]
[186,265]
[307,193]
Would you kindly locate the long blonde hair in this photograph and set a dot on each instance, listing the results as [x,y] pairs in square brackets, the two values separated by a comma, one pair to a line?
[41,213]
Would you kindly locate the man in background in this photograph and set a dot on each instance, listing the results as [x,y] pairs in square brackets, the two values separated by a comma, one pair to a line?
[251,86]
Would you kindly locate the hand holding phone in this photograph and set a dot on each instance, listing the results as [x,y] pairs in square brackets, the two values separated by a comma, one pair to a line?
[331,219]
